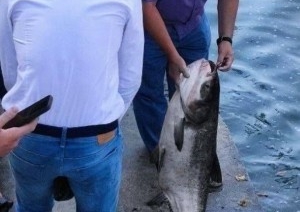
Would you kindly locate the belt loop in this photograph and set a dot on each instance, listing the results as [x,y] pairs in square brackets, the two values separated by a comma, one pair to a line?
[63,137]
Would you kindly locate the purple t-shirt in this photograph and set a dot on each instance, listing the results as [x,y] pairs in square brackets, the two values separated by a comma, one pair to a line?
[184,15]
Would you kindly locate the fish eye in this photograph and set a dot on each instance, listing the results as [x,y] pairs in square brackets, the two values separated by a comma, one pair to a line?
[207,85]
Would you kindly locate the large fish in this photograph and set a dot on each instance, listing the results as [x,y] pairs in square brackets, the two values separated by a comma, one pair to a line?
[187,160]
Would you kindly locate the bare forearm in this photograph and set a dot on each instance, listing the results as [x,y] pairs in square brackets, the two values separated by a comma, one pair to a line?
[154,25]
[227,11]
[9,138]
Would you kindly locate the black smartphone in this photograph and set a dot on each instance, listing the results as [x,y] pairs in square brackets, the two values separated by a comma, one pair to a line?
[30,113]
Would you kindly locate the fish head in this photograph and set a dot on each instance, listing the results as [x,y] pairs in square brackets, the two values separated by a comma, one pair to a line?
[200,91]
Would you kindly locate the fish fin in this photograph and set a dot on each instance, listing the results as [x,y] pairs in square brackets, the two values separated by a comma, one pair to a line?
[5,205]
[179,133]
[157,157]
[154,156]
[158,200]
[215,183]
[161,159]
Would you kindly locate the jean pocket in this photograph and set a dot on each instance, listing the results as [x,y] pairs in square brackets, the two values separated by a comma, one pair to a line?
[25,168]
[100,171]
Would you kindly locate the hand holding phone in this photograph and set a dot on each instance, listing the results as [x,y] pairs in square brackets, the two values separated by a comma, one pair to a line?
[30,113]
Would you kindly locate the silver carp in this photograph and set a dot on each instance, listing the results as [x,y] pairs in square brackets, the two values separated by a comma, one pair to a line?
[187,161]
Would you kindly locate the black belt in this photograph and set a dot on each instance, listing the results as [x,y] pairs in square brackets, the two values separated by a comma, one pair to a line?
[75,132]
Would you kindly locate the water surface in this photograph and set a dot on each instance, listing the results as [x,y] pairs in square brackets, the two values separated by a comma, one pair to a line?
[260,97]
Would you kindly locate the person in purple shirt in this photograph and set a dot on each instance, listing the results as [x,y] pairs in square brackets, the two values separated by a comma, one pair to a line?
[176,34]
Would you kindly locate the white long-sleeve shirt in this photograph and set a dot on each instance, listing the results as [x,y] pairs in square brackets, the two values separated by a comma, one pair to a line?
[86,54]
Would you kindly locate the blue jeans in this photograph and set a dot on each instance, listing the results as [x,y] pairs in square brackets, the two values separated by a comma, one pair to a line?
[93,170]
[150,103]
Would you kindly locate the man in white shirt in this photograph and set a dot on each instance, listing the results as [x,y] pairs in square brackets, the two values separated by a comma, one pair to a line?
[88,56]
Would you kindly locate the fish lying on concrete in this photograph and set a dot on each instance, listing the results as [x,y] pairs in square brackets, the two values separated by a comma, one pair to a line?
[187,161]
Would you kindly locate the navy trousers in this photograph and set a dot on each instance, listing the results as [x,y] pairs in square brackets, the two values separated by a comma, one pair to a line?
[150,103]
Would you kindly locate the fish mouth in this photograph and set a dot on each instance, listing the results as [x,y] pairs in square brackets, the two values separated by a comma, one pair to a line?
[212,65]
[214,68]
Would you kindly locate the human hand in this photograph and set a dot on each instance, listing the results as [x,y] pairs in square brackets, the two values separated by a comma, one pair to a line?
[177,66]
[9,138]
[225,56]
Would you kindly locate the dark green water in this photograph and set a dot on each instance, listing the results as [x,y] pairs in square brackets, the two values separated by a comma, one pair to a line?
[260,99]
